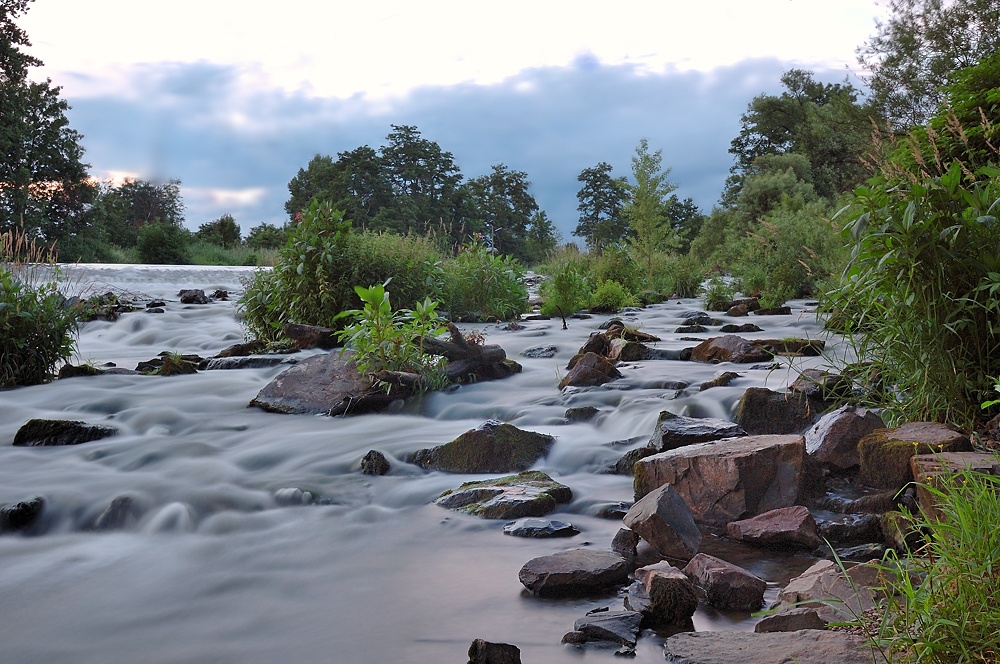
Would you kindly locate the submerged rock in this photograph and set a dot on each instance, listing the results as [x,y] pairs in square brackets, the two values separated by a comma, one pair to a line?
[493,447]
[39,433]
[193,296]
[531,493]
[735,329]
[674,431]
[786,527]
[574,572]
[540,352]
[727,586]
[122,511]
[20,516]
[730,479]
[540,528]
[581,414]
[722,380]
[76,370]
[885,454]
[246,362]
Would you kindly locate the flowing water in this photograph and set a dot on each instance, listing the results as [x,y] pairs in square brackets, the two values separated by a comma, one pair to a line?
[219,570]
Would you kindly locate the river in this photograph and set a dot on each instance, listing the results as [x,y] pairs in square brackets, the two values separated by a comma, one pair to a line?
[216,570]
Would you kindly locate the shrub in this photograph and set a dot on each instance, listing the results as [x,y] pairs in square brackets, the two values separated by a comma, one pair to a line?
[611,296]
[686,275]
[480,286]
[266,236]
[567,291]
[163,243]
[718,293]
[223,232]
[615,264]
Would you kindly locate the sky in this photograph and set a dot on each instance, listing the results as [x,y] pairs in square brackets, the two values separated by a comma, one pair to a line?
[233,98]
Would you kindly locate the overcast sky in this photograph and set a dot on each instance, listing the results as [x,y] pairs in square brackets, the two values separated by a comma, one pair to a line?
[234,97]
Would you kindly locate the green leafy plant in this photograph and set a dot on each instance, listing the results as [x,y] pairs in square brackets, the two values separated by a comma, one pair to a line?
[718,293]
[992,402]
[381,339]
[163,243]
[611,296]
[567,291]
[481,286]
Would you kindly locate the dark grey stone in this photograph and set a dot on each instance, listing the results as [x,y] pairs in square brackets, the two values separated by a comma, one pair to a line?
[39,433]
[790,620]
[193,296]
[484,652]
[118,514]
[581,414]
[810,646]
[618,626]
[20,516]
[374,463]
[540,352]
[574,572]
[530,527]
[673,431]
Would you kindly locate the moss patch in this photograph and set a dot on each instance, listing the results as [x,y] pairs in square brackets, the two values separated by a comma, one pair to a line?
[493,447]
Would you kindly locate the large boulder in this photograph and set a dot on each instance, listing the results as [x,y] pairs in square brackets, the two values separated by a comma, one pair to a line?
[727,586]
[664,520]
[729,348]
[730,479]
[673,431]
[939,471]
[811,646]
[786,527]
[531,493]
[763,411]
[591,369]
[834,438]
[492,447]
[574,572]
[885,454]
[324,384]
[310,336]
[39,433]
[835,593]
[672,596]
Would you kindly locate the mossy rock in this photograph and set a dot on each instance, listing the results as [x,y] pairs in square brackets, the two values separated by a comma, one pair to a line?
[885,453]
[45,433]
[531,493]
[493,447]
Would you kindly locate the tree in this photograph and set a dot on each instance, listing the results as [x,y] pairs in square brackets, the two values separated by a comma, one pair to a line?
[602,200]
[542,237]
[686,219]
[505,208]
[356,183]
[920,48]
[224,232]
[43,183]
[651,232]
[120,211]
[266,236]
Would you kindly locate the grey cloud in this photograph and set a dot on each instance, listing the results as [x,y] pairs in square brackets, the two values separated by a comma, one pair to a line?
[195,122]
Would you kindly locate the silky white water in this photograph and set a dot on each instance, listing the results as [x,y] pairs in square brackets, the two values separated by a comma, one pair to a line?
[216,570]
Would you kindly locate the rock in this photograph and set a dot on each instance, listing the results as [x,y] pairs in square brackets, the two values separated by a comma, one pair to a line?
[664,520]
[875,503]
[220,295]
[241,350]
[630,334]
[727,587]
[762,411]
[626,543]
[492,447]
[835,594]
[786,527]
[574,572]
[122,511]
[540,528]
[636,598]
[537,352]
[699,318]
[20,516]
[170,364]
[736,329]
[834,438]
[581,414]
[614,511]
[691,329]
[626,463]
[672,596]
[38,433]
[862,553]
[155,310]
[484,652]
[802,647]
[730,479]
[193,296]
[574,638]
[737,310]
[155,304]
[729,349]
[596,343]
[673,431]
[790,620]
[900,532]
[944,470]
[821,385]
[531,493]
[310,336]
[74,371]
[323,384]
[623,350]
[590,370]
[853,530]
[374,463]
[774,311]
[617,626]
[723,379]
[534,317]
[885,454]
[247,362]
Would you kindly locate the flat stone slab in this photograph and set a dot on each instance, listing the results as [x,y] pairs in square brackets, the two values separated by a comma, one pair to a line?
[540,528]
[783,528]
[885,453]
[492,447]
[673,431]
[809,646]
[531,493]
[836,595]
[574,572]
[48,433]
[729,479]
[790,620]
[319,385]
[938,470]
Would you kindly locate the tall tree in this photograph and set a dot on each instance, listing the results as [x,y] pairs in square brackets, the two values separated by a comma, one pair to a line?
[356,183]
[505,208]
[43,183]
[542,237]
[686,219]
[602,200]
[120,211]
[920,47]
[651,232]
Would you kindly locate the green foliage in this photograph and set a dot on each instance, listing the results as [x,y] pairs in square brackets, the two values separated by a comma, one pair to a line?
[568,291]
[203,253]
[223,232]
[119,211]
[482,286]
[922,47]
[385,340]
[163,243]
[945,606]
[650,230]
[542,239]
[616,264]
[717,293]
[686,275]
[266,236]
[992,402]
[602,203]
[611,296]
[505,207]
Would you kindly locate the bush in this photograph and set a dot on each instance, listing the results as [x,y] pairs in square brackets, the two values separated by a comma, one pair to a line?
[611,296]
[266,236]
[479,286]
[718,293]
[615,264]
[223,232]
[567,291]
[686,275]
[163,243]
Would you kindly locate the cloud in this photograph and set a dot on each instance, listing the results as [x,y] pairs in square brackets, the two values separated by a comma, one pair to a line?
[235,142]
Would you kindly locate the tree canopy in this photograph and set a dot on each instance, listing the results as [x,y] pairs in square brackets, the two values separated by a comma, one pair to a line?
[602,202]
[505,208]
